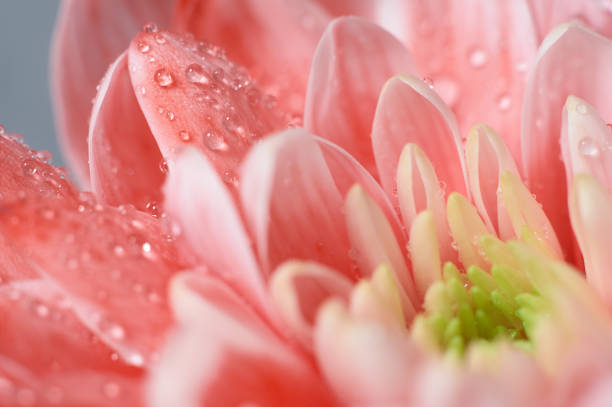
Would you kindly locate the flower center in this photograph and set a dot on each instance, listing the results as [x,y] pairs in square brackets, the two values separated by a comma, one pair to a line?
[478,306]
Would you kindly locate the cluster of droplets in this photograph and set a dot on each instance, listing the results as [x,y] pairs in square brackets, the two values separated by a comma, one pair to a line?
[477,306]
[236,110]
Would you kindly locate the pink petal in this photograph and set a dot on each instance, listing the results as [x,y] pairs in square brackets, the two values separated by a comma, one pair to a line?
[299,288]
[45,348]
[88,37]
[591,214]
[477,61]
[597,15]
[409,111]
[570,61]
[365,363]
[192,95]
[487,157]
[123,156]
[586,142]
[218,358]
[106,260]
[345,80]
[274,39]
[424,253]
[292,205]
[213,227]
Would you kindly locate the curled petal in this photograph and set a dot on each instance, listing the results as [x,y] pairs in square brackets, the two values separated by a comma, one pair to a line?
[374,243]
[299,288]
[124,160]
[356,70]
[409,111]
[487,157]
[569,62]
[88,37]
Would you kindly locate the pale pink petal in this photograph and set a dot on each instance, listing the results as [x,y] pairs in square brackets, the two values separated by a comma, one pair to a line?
[292,205]
[597,15]
[124,158]
[477,60]
[274,39]
[219,357]
[106,260]
[299,288]
[572,60]
[192,95]
[424,252]
[487,157]
[365,362]
[591,214]
[45,348]
[89,35]
[409,111]
[213,227]
[374,244]
[418,189]
[586,142]
[346,78]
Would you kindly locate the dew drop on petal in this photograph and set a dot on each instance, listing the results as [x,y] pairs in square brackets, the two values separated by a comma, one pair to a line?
[214,141]
[195,74]
[478,58]
[143,90]
[164,78]
[150,28]
[163,166]
[159,38]
[588,147]
[170,115]
[185,136]
[504,102]
[428,81]
[42,310]
[143,47]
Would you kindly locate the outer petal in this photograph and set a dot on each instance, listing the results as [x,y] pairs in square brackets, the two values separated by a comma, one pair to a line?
[571,60]
[409,111]
[591,215]
[586,142]
[44,350]
[274,39]
[477,61]
[595,14]
[225,359]
[345,79]
[104,259]
[191,184]
[123,156]
[88,37]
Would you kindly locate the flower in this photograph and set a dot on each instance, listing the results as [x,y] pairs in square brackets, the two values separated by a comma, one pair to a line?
[295,287]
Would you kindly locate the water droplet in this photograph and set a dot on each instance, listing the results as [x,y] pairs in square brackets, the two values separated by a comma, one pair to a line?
[195,74]
[159,38]
[164,78]
[135,359]
[214,141]
[230,178]
[588,147]
[185,136]
[504,102]
[119,251]
[146,247]
[163,166]
[111,390]
[478,58]
[428,81]
[170,115]
[154,298]
[143,47]
[42,310]
[581,108]
[143,90]
[150,28]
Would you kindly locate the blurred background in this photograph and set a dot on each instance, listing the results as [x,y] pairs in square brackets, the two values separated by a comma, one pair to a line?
[26,27]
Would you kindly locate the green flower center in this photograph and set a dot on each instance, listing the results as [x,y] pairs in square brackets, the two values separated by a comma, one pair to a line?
[478,306]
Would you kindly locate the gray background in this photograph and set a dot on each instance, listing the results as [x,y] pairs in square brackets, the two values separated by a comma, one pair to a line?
[25,105]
